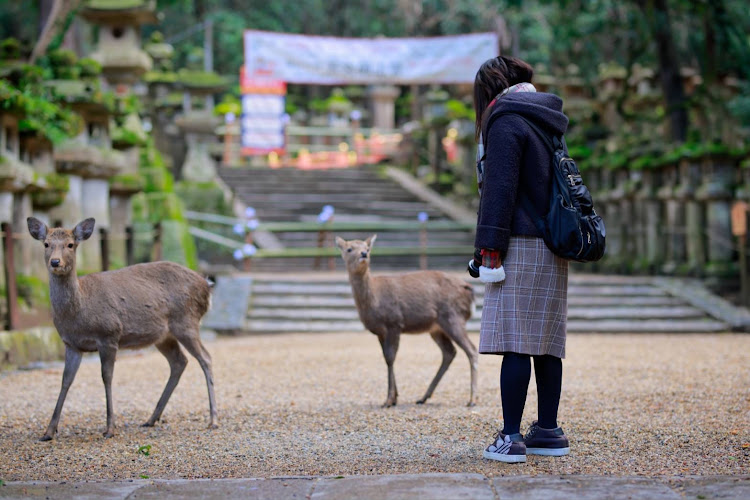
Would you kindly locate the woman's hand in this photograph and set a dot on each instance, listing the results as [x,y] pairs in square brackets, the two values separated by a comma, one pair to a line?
[492,270]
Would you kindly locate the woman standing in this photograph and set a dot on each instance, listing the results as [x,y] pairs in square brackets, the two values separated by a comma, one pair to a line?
[525,301]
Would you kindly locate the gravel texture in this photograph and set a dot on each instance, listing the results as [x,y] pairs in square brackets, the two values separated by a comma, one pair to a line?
[308,405]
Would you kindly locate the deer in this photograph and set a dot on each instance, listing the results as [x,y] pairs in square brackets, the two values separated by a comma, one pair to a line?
[413,302]
[155,303]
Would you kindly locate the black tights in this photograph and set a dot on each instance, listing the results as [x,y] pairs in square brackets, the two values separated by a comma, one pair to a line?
[514,383]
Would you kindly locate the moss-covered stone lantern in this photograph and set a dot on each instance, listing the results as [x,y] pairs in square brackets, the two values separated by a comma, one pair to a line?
[119,45]
[89,161]
[198,121]
[17,180]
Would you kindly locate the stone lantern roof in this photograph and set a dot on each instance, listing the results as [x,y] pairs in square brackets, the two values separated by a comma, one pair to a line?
[74,157]
[134,12]
[16,175]
[201,82]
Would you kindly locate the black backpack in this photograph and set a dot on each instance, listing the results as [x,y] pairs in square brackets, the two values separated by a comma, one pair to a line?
[571,228]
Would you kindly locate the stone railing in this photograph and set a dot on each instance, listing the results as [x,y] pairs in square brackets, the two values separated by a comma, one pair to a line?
[673,216]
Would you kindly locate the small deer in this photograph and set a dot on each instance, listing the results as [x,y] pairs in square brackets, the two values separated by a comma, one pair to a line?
[158,303]
[415,302]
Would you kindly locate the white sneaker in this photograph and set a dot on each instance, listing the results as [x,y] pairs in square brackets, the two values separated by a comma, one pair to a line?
[509,449]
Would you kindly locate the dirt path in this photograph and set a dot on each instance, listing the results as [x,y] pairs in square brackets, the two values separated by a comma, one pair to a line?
[310,405]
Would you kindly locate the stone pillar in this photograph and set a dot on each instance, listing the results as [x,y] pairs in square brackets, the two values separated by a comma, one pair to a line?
[716,193]
[694,219]
[199,129]
[22,247]
[619,219]
[674,212]
[383,99]
[94,203]
[70,211]
[650,245]
[6,215]
[120,208]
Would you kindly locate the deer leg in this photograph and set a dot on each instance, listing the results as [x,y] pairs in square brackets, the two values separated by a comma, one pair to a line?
[195,347]
[449,352]
[72,362]
[177,363]
[108,354]
[389,343]
[455,327]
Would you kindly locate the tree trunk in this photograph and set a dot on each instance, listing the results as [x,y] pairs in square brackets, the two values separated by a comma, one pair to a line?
[669,67]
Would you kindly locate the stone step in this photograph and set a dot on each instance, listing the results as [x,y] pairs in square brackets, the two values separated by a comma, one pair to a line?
[334,301]
[640,313]
[577,326]
[290,287]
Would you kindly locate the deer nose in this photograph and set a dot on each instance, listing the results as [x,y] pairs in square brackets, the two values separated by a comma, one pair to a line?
[54,262]
[364,254]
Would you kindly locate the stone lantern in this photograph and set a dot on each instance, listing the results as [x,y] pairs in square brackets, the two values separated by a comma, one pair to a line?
[119,47]
[198,121]
[611,84]
[90,162]
[16,182]
[162,103]
[383,100]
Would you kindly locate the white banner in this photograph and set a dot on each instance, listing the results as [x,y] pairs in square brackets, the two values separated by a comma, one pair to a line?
[333,61]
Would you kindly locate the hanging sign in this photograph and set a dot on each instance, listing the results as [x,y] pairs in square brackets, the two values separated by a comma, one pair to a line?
[263,119]
[332,61]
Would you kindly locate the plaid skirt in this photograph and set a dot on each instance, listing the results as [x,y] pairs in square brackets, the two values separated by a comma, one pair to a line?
[527,313]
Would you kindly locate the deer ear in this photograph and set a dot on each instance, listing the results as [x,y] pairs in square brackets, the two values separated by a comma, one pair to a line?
[84,229]
[340,242]
[37,228]
[371,240]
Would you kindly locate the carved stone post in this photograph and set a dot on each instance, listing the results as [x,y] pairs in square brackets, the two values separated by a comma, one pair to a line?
[716,193]
[674,220]
[694,219]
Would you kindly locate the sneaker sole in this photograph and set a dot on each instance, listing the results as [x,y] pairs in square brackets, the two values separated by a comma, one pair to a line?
[548,452]
[501,457]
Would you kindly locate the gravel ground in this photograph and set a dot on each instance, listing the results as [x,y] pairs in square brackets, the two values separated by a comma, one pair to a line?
[308,405]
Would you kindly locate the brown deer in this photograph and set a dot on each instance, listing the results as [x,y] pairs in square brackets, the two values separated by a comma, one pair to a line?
[159,303]
[415,302]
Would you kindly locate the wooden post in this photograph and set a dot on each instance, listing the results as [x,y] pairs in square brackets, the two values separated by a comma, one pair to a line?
[331,258]
[744,293]
[104,242]
[321,241]
[157,242]
[246,262]
[423,217]
[11,292]
[739,229]
[129,246]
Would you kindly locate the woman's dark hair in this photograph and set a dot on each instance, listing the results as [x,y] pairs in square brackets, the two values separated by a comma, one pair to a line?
[494,76]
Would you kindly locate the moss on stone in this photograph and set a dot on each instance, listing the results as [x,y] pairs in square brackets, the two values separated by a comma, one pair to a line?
[164,206]
[21,347]
[205,197]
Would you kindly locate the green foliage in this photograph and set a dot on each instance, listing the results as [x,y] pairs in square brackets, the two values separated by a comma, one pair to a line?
[89,68]
[228,104]
[144,450]
[10,49]
[32,290]
[39,113]
[459,110]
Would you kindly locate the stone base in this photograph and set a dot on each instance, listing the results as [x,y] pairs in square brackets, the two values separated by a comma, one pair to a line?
[23,347]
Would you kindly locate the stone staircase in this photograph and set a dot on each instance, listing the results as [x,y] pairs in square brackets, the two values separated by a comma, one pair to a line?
[361,194]
[597,304]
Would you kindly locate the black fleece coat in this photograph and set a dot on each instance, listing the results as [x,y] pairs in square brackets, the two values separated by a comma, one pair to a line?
[517,160]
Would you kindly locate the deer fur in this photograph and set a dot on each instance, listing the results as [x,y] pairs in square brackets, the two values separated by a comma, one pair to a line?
[416,302]
[159,303]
